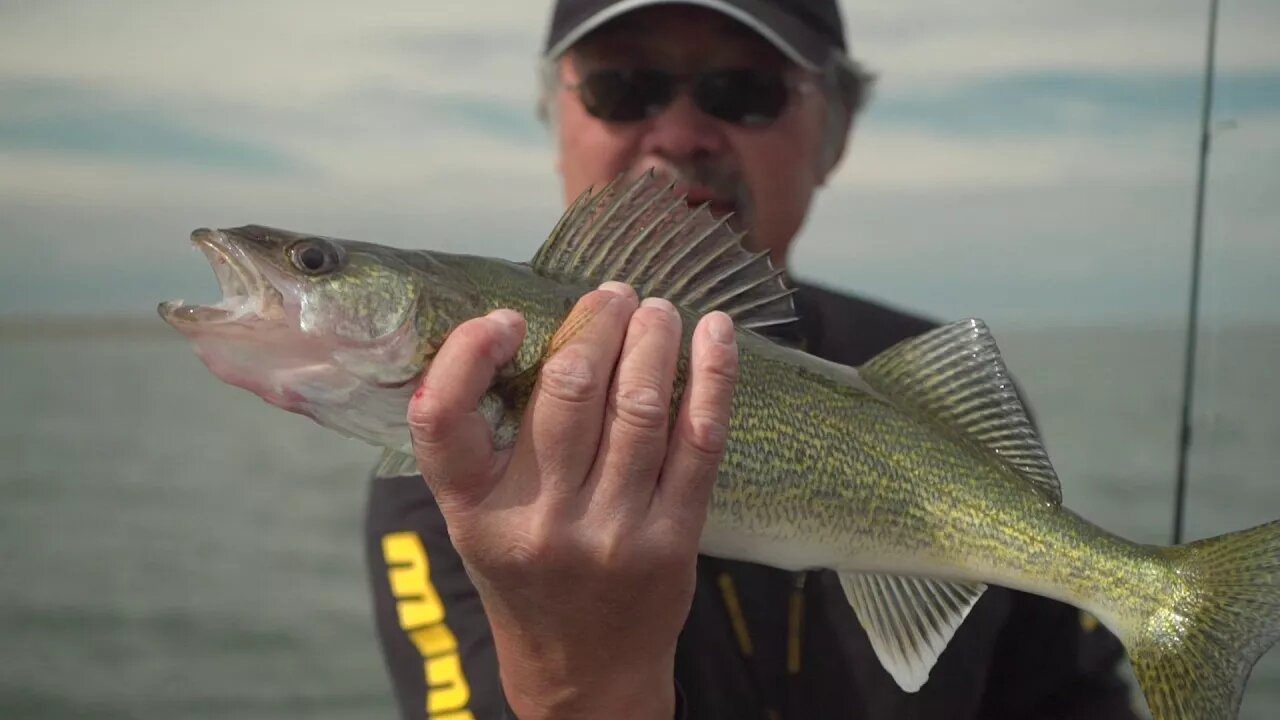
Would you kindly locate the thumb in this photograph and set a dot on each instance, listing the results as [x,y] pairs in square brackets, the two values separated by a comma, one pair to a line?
[451,439]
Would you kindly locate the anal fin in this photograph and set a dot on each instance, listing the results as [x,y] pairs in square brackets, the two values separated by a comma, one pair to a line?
[909,620]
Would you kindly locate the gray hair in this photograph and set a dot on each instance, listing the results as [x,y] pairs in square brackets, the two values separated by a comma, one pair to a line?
[847,85]
[844,82]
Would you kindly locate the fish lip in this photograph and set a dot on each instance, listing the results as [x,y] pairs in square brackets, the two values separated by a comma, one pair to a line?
[245,292]
[237,277]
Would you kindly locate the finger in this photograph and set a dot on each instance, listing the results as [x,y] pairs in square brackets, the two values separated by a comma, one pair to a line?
[637,416]
[451,439]
[561,428]
[700,436]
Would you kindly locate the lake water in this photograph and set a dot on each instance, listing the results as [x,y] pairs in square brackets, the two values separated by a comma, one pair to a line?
[171,547]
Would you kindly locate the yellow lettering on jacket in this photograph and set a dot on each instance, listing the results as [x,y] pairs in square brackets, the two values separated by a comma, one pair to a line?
[422,617]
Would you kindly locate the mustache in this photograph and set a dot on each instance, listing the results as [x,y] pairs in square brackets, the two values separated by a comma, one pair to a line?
[718,178]
[721,180]
[724,183]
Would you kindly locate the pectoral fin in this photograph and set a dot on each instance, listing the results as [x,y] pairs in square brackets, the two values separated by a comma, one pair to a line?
[909,620]
[395,463]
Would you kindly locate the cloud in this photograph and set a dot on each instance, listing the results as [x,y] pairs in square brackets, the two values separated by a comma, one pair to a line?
[1040,104]
[1025,256]
[1070,229]
[931,45]
[887,157]
[70,120]
[388,108]
[274,53]
[285,54]
[1038,152]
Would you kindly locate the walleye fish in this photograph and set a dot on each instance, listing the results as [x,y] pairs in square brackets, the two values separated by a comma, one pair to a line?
[917,477]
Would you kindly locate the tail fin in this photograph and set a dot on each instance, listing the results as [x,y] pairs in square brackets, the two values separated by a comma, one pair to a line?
[1194,661]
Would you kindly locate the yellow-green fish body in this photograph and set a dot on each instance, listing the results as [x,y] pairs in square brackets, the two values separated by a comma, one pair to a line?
[918,476]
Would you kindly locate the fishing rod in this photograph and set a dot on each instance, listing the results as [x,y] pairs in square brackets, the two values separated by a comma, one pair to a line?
[1197,243]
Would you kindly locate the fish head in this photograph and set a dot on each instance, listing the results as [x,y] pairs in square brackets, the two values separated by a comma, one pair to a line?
[319,326]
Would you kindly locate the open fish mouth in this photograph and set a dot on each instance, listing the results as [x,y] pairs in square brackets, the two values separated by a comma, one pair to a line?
[246,295]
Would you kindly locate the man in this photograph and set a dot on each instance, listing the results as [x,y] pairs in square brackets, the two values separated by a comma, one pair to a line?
[563,580]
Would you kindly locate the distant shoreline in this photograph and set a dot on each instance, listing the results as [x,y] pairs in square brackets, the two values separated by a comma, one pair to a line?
[85,326]
[22,327]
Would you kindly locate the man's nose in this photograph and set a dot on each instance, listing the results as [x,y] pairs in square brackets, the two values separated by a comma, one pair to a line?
[682,130]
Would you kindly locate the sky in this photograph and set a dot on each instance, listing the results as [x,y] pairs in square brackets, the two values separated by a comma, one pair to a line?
[1028,163]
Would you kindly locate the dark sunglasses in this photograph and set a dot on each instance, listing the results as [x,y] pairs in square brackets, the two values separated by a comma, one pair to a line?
[742,96]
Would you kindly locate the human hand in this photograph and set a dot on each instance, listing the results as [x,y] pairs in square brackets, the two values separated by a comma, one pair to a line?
[582,539]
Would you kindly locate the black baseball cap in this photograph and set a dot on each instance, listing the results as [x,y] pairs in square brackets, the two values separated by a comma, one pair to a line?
[804,30]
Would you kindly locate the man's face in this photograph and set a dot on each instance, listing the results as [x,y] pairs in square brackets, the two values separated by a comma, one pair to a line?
[764,175]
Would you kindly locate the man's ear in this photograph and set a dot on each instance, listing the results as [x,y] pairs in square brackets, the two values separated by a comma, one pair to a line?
[834,145]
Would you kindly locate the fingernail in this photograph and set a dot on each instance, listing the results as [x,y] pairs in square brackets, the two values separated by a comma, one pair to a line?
[617,288]
[720,327]
[510,321]
[659,303]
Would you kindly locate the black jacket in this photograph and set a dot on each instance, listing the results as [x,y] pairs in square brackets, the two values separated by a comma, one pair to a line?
[759,642]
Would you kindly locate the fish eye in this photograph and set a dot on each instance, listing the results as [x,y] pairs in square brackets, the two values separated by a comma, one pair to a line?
[314,256]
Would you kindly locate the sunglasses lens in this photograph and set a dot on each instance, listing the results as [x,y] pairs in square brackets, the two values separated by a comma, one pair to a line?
[743,97]
[624,95]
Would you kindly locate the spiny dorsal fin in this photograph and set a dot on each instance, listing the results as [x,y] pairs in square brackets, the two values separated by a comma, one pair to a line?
[909,620]
[954,375]
[644,234]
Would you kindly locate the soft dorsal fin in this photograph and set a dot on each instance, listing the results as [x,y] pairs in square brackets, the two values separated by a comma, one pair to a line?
[909,620]
[954,376]
[644,234]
